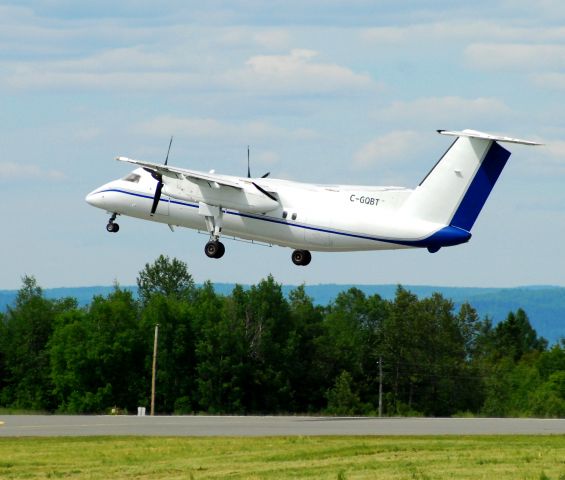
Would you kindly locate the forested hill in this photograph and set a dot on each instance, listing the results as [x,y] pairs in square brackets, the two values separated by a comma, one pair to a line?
[545,305]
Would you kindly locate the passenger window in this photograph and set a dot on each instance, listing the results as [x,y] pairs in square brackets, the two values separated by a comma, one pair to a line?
[294,216]
[284,215]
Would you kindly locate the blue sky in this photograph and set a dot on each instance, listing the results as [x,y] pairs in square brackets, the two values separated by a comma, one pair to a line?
[324,91]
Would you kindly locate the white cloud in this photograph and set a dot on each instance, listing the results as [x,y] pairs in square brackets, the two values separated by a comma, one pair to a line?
[547,160]
[88,134]
[556,149]
[453,30]
[547,9]
[12,171]
[444,110]
[550,80]
[138,69]
[131,68]
[515,56]
[112,54]
[297,73]
[268,158]
[386,149]
[273,38]
[209,127]
[120,81]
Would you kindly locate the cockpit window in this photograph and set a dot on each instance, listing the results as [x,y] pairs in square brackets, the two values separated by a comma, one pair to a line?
[132,177]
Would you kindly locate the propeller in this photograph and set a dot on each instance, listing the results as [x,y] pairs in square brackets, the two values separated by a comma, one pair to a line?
[249,169]
[264,192]
[168,150]
[157,176]
[157,196]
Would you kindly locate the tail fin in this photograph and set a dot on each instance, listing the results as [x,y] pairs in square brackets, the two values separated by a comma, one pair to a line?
[455,190]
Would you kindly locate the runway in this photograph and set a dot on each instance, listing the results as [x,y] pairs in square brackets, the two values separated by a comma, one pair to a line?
[255,426]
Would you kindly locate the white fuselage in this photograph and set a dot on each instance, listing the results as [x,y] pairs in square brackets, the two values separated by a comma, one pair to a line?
[439,212]
[307,216]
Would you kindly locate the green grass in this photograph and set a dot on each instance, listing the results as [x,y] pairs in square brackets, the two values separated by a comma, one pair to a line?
[343,458]
[20,411]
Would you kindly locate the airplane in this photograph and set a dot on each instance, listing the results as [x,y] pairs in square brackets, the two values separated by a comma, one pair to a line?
[439,212]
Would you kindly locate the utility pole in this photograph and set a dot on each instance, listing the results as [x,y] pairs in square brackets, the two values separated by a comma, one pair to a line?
[380,386]
[154,370]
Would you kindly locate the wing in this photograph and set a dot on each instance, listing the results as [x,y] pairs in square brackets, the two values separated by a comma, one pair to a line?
[194,175]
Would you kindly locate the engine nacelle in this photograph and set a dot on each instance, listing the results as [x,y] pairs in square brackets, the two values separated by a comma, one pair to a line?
[247,199]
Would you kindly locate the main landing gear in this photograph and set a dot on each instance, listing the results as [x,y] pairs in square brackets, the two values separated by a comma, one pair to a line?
[213,217]
[214,249]
[301,257]
[112,227]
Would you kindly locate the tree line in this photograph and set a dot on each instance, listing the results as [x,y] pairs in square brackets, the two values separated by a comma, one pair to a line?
[256,351]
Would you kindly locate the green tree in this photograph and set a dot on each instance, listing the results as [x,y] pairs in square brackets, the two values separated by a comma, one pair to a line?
[221,349]
[97,356]
[27,329]
[175,382]
[342,399]
[399,337]
[515,336]
[548,400]
[271,345]
[340,346]
[427,355]
[3,346]
[165,276]
[307,382]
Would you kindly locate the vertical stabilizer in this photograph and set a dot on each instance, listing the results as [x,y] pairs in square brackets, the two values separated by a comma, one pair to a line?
[455,190]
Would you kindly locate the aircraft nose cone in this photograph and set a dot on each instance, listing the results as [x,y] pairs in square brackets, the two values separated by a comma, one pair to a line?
[96,199]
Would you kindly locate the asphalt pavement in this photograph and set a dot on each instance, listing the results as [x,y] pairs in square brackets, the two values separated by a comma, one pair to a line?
[254,426]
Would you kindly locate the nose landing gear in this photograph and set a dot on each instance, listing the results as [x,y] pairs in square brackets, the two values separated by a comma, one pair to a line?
[301,257]
[111,226]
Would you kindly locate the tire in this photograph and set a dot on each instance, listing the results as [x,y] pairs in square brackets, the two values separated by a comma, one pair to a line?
[221,250]
[301,257]
[211,249]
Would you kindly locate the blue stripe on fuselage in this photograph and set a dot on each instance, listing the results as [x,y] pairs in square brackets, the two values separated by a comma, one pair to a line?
[480,187]
[447,236]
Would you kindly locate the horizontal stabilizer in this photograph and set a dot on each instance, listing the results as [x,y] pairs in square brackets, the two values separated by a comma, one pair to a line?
[486,136]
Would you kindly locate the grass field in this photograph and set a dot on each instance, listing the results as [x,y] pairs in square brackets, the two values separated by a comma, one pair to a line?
[445,457]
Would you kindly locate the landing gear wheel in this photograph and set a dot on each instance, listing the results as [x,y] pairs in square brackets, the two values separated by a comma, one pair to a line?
[111,226]
[221,251]
[214,249]
[301,257]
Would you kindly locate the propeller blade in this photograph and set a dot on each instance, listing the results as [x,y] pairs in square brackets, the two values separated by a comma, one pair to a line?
[248,168]
[167,157]
[266,175]
[264,192]
[156,175]
[156,197]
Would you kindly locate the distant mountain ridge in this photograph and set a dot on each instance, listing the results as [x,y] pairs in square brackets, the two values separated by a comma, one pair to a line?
[545,305]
